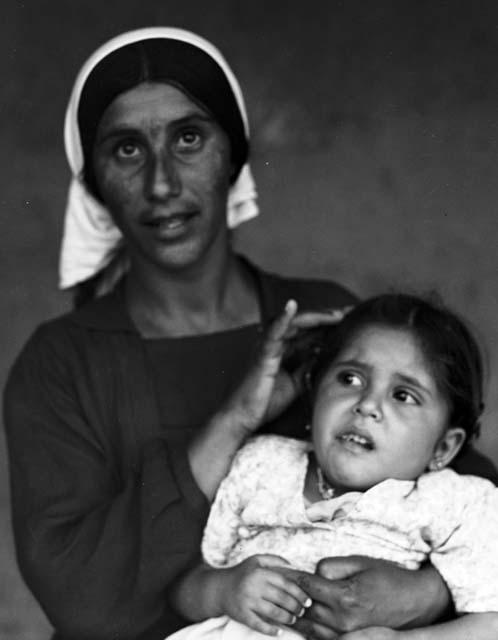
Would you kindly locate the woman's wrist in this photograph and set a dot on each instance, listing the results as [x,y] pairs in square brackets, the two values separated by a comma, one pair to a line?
[212,450]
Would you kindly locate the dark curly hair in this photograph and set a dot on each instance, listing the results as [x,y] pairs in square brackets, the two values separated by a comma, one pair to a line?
[449,347]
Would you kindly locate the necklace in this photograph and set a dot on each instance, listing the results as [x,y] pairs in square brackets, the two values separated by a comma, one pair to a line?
[324,489]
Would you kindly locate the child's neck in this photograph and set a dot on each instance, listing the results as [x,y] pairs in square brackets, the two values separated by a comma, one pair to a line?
[316,489]
[313,489]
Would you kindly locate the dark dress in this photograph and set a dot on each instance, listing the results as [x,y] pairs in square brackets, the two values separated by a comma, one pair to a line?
[106,511]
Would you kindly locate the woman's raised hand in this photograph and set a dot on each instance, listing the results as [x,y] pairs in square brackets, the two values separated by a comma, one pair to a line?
[268,389]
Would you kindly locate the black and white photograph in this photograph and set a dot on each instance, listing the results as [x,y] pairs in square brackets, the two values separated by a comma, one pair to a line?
[249,286]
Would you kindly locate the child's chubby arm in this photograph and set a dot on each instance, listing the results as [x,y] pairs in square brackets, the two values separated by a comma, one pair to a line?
[260,592]
[472,626]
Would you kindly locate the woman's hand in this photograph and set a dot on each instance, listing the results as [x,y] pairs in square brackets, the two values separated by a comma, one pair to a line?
[257,594]
[268,389]
[356,592]
[265,392]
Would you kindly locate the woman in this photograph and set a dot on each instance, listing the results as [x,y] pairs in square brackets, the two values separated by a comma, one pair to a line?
[114,413]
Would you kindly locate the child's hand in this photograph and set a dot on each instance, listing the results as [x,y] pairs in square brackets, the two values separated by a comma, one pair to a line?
[258,594]
[267,390]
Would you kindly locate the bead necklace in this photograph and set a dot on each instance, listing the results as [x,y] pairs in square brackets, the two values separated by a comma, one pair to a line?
[324,488]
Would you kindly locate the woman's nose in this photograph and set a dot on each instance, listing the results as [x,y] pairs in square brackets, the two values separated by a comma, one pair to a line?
[368,407]
[163,179]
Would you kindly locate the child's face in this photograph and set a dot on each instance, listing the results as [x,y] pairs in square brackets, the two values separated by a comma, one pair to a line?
[378,413]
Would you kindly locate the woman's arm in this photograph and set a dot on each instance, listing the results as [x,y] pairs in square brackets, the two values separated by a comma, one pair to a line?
[98,540]
[213,449]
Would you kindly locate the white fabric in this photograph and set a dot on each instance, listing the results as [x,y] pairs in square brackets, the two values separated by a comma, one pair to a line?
[224,628]
[448,519]
[90,238]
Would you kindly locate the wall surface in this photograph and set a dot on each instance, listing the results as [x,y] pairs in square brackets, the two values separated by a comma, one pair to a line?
[375,145]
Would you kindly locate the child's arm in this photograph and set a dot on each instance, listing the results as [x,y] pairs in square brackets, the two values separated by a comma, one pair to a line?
[473,626]
[256,592]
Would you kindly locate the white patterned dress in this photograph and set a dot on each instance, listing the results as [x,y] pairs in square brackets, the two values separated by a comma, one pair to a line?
[447,519]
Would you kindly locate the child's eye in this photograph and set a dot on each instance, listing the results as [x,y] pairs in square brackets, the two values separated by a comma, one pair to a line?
[189,139]
[349,379]
[407,397]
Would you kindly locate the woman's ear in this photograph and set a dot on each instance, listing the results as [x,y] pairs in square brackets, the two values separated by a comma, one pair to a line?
[447,447]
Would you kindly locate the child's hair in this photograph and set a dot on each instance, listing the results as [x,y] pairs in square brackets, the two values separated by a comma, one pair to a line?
[447,344]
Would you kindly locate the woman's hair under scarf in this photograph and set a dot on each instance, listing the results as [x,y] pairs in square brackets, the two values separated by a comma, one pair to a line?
[91,241]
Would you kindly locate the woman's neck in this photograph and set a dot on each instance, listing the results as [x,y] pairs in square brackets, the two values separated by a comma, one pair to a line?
[202,299]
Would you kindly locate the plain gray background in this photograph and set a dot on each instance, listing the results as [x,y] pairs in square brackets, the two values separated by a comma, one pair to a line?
[374,147]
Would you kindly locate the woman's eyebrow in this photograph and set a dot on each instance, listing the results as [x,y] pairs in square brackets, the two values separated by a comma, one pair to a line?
[127,129]
[192,116]
[117,131]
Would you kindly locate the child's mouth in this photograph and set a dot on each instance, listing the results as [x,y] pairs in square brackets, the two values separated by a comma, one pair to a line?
[357,439]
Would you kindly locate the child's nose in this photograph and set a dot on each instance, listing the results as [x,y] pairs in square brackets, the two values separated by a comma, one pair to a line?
[368,407]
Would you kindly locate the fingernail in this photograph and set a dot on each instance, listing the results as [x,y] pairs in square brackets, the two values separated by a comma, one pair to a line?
[308,603]
[290,305]
[279,632]
[293,620]
[301,613]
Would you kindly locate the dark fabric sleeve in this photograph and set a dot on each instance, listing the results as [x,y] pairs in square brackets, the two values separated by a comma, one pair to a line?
[472,462]
[98,549]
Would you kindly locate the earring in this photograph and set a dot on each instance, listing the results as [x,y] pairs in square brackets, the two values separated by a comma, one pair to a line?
[437,464]
[307,427]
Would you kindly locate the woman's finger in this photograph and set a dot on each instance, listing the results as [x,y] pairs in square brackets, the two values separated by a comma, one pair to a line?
[279,326]
[314,631]
[274,343]
[310,319]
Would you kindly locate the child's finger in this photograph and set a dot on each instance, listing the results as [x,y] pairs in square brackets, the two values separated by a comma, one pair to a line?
[294,606]
[290,587]
[275,613]
[271,560]
[263,626]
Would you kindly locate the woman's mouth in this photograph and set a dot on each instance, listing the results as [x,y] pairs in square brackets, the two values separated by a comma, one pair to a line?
[171,226]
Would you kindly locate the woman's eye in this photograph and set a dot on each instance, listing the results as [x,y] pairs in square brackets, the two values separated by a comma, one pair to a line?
[127,150]
[402,395]
[349,379]
[189,140]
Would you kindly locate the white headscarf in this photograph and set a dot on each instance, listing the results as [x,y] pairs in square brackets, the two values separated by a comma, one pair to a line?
[90,238]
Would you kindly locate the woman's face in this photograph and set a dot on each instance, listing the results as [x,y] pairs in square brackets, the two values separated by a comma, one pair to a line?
[162,166]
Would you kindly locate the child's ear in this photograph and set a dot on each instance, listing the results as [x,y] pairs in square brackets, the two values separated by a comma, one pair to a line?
[446,449]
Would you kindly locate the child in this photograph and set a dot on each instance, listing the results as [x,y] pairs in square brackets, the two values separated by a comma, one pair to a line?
[396,393]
